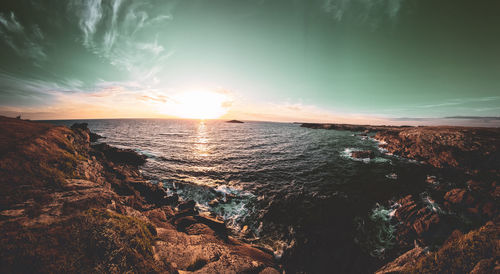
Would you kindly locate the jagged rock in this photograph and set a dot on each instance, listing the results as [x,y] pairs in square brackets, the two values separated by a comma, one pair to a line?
[465,148]
[363,154]
[120,156]
[455,196]
[418,222]
[153,193]
[189,205]
[403,261]
[213,203]
[217,226]
[485,266]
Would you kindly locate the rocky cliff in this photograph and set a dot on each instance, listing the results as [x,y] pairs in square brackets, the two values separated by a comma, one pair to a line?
[68,205]
[430,228]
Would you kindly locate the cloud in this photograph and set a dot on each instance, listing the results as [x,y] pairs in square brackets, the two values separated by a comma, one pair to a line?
[19,91]
[10,23]
[25,42]
[460,101]
[127,36]
[363,11]
[89,13]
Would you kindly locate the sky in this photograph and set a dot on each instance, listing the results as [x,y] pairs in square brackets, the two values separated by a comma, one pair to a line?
[357,61]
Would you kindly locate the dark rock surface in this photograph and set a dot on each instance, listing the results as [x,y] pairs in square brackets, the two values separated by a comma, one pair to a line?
[234,121]
[120,156]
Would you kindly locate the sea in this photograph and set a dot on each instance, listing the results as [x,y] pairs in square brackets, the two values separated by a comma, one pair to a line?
[292,190]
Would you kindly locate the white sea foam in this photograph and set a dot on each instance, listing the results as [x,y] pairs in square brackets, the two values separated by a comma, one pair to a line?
[430,203]
[392,176]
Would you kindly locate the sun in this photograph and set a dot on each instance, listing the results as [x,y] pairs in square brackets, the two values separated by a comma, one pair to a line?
[199,105]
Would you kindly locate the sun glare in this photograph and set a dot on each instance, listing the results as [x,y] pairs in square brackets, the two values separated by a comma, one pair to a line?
[200,105]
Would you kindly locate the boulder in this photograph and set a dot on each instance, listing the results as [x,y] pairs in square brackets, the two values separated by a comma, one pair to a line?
[459,196]
[363,154]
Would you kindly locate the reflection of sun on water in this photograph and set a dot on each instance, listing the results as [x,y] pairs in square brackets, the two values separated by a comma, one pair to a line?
[199,105]
[201,141]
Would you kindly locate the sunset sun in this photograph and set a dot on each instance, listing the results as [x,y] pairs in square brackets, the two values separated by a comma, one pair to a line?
[200,105]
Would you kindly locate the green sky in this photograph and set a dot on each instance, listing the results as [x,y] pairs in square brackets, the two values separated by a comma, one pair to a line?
[378,58]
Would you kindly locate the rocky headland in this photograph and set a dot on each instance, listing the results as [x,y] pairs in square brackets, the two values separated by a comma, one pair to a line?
[452,227]
[70,205]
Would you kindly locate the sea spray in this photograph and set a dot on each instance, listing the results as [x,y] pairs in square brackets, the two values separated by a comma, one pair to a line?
[376,233]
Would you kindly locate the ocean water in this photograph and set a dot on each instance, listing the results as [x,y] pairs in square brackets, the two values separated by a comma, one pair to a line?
[290,189]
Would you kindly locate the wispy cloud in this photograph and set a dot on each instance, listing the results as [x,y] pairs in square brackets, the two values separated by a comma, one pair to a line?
[23,41]
[364,11]
[460,101]
[113,31]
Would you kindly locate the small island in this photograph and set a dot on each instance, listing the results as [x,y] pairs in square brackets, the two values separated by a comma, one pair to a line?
[234,122]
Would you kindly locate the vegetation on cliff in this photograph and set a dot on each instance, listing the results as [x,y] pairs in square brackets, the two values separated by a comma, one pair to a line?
[69,206]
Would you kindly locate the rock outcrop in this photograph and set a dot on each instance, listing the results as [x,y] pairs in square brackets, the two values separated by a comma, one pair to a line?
[69,206]
[469,149]
[464,154]
[363,154]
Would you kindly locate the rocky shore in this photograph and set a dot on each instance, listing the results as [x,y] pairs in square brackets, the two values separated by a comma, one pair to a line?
[449,227]
[69,205]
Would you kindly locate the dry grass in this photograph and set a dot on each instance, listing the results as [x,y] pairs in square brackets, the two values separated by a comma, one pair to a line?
[97,240]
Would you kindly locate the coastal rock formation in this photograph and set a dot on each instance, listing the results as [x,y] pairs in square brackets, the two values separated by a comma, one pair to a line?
[363,154]
[234,121]
[465,148]
[420,223]
[84,127]
[471,158]
[68,206]
[475,252]
[468,149]
[362,128]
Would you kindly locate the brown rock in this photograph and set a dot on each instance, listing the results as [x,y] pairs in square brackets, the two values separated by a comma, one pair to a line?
[407,259]
[455,196]
[485,266]
[363,154]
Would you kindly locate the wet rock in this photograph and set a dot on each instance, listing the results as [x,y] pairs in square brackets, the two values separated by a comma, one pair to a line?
[152,193]
[189,205]
[431,179]
[459,196]
[120,156]
[475,186]
[455,196]
[218,226]
[363,154]
[213,203]
[419,222]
